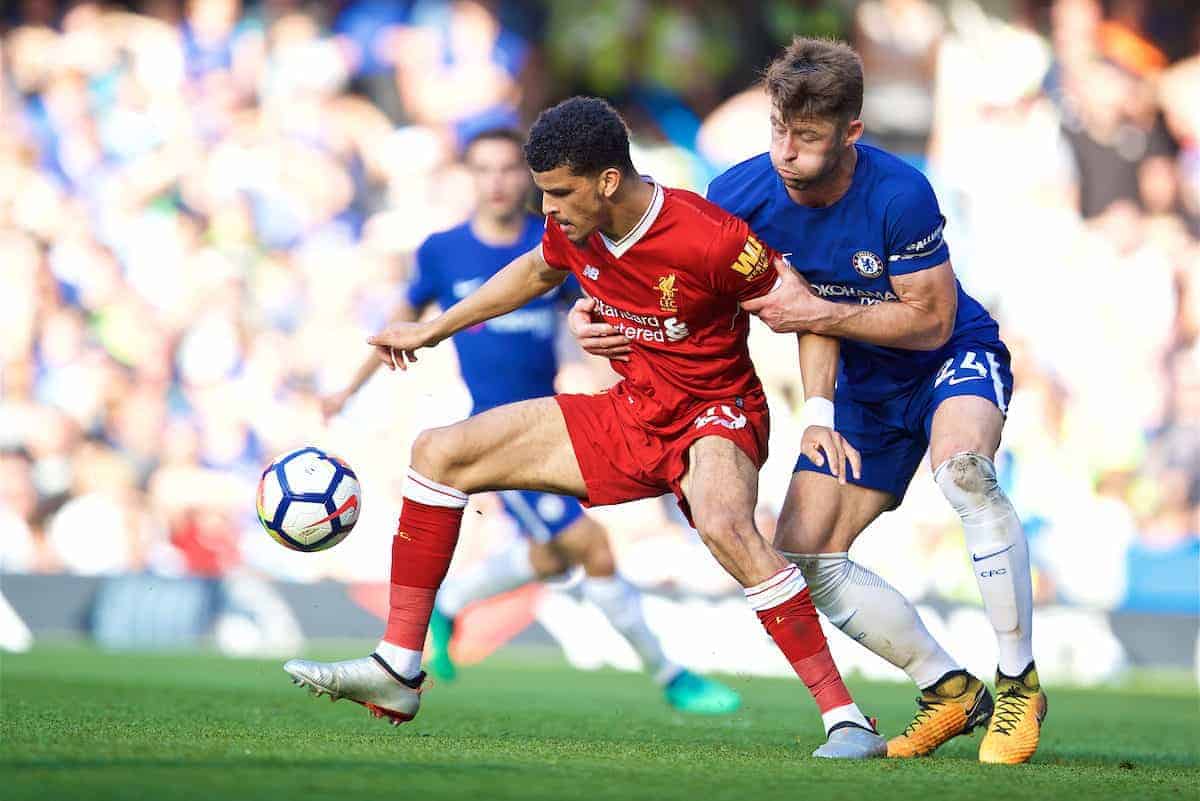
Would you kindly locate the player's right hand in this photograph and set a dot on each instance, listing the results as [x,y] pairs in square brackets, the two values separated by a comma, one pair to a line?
[332,404]
[397,345]
[820,443]
[598,339]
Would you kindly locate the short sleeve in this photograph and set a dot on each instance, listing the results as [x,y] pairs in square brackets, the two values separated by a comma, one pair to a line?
[556,248]
[740,263]
[915,228]
[423,288]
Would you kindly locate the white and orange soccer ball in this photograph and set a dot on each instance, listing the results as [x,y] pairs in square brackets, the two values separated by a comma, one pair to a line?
[308,500]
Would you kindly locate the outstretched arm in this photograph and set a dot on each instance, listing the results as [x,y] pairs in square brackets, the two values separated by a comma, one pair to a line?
[332,404]
[522,280]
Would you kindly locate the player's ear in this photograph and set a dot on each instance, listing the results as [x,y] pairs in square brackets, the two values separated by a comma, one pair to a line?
[854,132]
[608,182]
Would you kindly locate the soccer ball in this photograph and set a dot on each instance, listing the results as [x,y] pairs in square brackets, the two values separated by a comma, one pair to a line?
[308,500]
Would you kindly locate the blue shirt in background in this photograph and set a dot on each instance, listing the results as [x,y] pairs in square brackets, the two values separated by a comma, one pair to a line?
[508,359]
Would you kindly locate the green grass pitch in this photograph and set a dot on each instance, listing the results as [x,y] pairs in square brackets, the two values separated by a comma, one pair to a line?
[80,724]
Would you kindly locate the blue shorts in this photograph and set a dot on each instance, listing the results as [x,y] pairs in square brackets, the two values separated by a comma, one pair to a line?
[541,515]
[893,434]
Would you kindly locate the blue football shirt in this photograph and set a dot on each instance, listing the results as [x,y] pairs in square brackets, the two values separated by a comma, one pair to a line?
[510,358]
[888,223]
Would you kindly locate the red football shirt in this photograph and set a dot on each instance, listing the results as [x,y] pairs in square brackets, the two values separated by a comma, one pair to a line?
[672,285]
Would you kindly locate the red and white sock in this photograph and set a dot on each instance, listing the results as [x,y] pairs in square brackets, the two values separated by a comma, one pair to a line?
[786,610]
[421,553]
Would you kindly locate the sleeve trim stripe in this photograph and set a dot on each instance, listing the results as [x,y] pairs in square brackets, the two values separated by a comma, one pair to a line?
[922,254]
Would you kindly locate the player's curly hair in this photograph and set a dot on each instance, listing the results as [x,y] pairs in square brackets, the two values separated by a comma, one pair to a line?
[584,134]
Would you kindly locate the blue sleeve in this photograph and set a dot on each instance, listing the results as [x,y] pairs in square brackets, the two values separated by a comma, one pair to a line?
[423,288]
[719,194]
[915,228]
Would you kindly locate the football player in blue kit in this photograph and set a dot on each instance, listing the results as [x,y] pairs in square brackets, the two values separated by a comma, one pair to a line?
[922,367]
[512,358]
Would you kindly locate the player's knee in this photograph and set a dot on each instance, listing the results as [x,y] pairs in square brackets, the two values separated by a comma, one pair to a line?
[437,452]
[809,535]
[968,480]
[721,529]
[547,561]
[598,559]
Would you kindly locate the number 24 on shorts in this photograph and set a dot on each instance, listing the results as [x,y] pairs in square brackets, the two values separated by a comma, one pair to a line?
[969,369]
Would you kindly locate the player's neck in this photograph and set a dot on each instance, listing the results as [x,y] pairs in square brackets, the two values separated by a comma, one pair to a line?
[830,189]
[498,231]
[635,196]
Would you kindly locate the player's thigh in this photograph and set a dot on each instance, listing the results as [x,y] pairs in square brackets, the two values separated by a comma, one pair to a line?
[820,515]
[518,446]
[964,424]
[720,485]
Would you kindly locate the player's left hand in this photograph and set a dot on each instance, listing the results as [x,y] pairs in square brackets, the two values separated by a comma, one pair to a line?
[820,443]
[792,306]
[596,338]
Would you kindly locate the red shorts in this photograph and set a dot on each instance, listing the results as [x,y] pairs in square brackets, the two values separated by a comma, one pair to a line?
[621,461]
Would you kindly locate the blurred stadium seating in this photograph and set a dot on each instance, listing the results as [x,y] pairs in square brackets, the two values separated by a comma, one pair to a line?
[207,205]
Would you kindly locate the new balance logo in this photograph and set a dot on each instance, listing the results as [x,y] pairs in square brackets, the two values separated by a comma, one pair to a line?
[591,272]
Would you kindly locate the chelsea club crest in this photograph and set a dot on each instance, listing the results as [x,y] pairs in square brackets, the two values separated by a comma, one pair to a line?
[867,264]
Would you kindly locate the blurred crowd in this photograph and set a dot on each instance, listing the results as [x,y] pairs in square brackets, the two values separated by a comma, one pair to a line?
[205,206]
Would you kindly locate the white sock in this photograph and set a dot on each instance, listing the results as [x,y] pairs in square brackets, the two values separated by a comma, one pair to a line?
[874,614]
[849,713]
[999,553]
[404,661]
[500,572]
[621,603]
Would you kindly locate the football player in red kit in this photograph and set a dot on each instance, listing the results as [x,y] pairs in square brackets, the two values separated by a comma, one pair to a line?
[688,417]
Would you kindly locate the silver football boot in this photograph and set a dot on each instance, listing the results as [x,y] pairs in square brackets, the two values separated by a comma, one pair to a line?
[851,741]
[369,681]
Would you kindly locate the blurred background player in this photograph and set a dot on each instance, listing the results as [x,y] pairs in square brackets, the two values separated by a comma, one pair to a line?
[923,368]
[508,359]
[689,416]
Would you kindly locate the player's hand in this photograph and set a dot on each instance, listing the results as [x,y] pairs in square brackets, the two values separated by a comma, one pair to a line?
[792,306]
[820,443]
[332,404]
[598,339]
[397,345]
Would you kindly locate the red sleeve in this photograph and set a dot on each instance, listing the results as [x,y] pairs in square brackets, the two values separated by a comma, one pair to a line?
[740,263]
[556,247]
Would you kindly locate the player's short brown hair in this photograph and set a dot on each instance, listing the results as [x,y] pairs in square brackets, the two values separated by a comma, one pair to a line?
[816,78]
